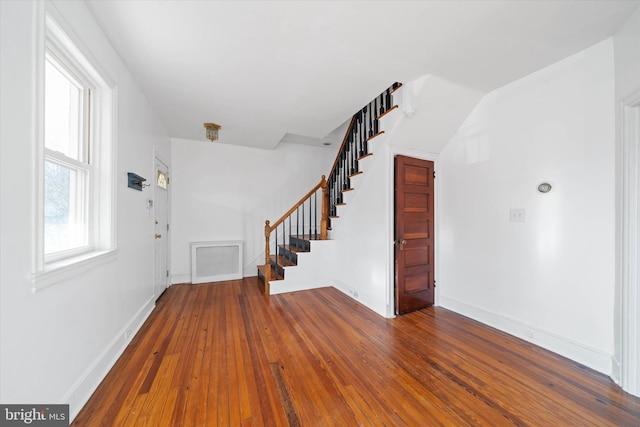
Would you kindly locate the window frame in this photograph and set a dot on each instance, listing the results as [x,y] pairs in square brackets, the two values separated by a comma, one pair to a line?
[84,167]
[64,46]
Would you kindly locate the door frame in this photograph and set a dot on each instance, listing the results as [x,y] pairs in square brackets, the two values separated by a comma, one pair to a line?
[392,152]
[626,360]
[157,157]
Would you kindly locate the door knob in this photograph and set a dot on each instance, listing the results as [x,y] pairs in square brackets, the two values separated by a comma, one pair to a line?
[400,243]
[158,236]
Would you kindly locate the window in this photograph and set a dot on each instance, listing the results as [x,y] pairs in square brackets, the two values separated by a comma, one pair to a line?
[67,165]
[75,193]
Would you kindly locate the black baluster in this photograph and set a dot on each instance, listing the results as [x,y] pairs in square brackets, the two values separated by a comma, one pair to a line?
[310,218]
[371,113]
[388,107]
[359,126]
[354,152]
[290,255]
[284,234]
[276,251]
[297,226]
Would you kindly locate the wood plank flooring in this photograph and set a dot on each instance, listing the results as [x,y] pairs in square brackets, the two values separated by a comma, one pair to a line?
[223,354]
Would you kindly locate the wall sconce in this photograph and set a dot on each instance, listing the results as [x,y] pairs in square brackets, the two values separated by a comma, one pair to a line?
[212,131]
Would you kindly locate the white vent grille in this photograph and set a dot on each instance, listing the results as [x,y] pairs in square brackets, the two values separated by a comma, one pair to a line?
[216,261]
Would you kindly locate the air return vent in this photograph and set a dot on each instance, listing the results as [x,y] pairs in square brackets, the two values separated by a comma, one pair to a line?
[216,261]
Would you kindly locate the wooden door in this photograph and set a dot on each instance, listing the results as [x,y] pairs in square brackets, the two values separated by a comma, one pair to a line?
[414,240]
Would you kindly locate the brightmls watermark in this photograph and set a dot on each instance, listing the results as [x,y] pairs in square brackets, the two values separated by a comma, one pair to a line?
[34,415]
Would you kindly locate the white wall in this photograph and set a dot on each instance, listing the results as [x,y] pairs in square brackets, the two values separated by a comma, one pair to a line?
[226,192]
[361,265]
[549,279]
[58,343]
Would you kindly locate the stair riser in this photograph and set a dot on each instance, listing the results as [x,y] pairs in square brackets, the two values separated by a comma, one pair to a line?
[279,269]
[304,245]
[288,254]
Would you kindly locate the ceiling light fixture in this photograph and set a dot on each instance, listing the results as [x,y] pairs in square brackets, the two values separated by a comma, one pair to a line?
[212,131]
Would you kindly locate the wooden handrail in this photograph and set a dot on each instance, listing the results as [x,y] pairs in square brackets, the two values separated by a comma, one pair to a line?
[344,167]
[321,184]
[344,142]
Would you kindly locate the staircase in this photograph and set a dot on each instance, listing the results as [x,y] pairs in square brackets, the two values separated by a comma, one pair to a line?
[287,257]
[310,218]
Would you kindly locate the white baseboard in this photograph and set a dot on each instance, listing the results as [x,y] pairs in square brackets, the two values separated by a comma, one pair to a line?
[616,369]
[89,381]
[180,278]
[354,295]
[588,356]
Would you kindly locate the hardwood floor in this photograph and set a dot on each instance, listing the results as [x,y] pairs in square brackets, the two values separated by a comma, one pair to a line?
[223,354]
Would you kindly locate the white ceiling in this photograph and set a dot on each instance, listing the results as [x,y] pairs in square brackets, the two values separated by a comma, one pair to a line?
[268,70]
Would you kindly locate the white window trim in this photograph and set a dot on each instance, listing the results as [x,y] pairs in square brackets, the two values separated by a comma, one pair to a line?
[54,31]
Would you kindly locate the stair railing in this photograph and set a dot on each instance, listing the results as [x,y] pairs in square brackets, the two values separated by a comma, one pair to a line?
[308,217]
[364,126]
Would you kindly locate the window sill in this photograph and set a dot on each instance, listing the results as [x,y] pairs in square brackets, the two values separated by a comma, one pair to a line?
[59,271]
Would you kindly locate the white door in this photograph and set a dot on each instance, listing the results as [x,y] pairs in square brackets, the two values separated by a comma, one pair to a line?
[161,228]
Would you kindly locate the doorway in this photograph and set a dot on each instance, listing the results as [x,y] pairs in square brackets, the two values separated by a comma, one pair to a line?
[161,228]
[414,234]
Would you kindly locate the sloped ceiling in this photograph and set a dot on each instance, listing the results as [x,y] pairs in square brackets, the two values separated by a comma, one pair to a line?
[268,70]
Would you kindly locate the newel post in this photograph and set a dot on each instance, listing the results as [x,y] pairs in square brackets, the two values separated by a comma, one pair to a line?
[267,256]
[324,220]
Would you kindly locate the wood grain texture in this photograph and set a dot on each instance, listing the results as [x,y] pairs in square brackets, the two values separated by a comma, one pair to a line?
[224,354]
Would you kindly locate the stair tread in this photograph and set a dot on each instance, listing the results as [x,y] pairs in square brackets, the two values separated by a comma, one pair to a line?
[306,236]
[375,135]
[283,261]
[262,271]
[292,248]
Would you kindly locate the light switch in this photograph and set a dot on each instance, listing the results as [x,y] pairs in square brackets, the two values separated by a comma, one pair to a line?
[517,215]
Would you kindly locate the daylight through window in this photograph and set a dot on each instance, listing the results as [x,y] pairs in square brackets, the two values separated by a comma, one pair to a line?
[74,194]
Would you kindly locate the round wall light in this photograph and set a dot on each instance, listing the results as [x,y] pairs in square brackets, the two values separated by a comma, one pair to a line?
[544,187]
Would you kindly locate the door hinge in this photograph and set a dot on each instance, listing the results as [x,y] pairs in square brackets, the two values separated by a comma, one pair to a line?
[434,283]
[167,273]
[167,227]
[434,174]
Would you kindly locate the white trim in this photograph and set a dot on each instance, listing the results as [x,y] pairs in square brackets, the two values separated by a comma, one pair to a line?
[180,279]
[69,268]
[46,271]
[159,158]
[581,353]
[628,374]
[88,382]
[37,138]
